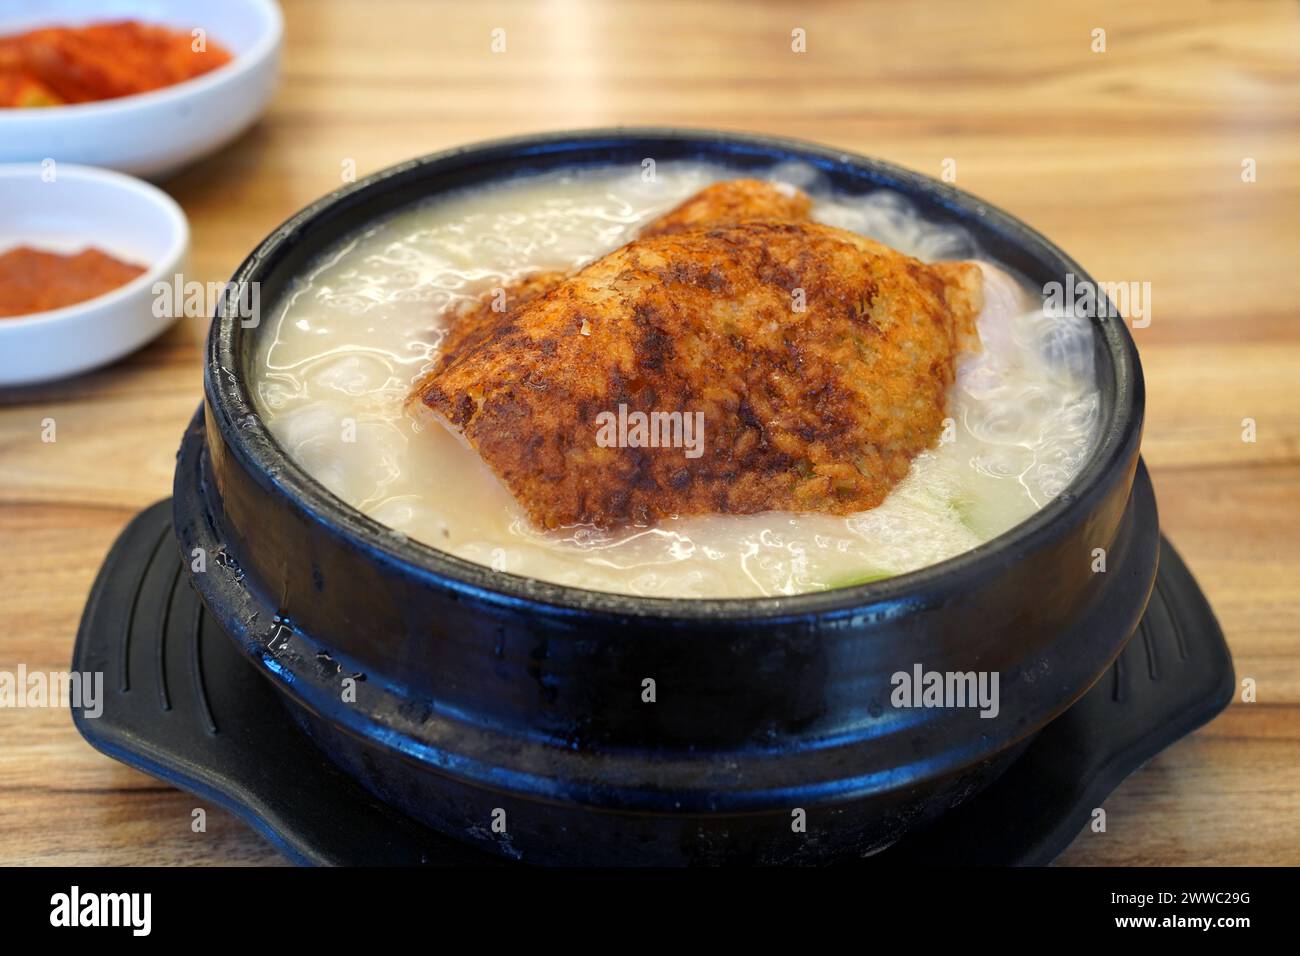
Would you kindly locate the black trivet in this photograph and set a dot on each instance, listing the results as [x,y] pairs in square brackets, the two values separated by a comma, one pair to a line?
[182,704]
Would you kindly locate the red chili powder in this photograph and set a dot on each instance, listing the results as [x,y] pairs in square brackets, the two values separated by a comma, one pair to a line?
[34,281]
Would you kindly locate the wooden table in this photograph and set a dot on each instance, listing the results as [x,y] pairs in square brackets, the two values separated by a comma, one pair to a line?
[1131,159]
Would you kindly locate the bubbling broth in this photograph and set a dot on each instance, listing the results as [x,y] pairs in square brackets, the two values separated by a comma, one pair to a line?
[338,357]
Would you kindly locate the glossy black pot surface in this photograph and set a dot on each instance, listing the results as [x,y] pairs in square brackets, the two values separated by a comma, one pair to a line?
[512,713]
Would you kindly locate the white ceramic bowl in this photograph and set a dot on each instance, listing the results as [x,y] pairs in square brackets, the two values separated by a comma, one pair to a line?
[150,134]
[82,207]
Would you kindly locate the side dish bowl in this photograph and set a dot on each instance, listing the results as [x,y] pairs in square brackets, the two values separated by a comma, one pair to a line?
[513,713]
[65,208]
[154,133]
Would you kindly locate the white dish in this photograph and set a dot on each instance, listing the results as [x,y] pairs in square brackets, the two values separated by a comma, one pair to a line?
[150,134]
[82,207]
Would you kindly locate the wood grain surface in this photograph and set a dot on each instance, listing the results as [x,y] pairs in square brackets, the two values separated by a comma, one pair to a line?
[1131,159]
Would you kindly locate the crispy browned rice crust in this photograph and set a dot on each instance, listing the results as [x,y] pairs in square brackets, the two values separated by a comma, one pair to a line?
[819,408]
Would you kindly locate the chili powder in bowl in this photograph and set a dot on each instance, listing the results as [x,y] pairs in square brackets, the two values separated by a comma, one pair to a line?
[82,253]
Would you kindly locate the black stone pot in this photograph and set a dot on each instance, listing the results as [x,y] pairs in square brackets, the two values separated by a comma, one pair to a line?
[509,712]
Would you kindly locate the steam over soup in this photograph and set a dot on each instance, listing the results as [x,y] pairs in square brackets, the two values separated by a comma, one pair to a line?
[938,391]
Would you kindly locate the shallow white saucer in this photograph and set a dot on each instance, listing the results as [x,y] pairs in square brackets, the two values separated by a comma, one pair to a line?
[155,133]
[65,208]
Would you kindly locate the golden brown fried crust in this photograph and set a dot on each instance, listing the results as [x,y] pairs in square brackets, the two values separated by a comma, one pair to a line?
[485,315]
[724,203]
[815,410]
[730,202]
